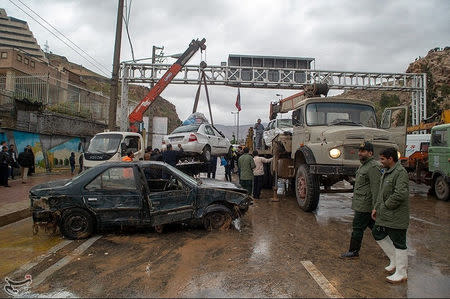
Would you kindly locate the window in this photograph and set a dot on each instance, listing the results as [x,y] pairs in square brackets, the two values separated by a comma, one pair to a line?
[160,179]
[325,114]
[392,118]
[132,143]
[26,60]
[19,57]
[439,138]
[32,63]
[209,130]
[117,178]
[297,117]
[4,55]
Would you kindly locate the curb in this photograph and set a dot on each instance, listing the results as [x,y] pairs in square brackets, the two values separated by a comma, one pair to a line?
[14,216]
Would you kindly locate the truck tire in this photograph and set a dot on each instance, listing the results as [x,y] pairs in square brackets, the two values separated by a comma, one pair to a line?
[441,188]
[307,189]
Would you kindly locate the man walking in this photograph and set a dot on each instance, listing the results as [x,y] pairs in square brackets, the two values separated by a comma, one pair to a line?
[25,160]
[391,215]
[259,130]
[4,166]
[72,162]
[13,160]
[367,183]
[246,166]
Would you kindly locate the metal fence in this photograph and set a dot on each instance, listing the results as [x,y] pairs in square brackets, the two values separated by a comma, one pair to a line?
[57,95]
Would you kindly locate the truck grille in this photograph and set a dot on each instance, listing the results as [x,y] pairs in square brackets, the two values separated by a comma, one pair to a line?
[351,151]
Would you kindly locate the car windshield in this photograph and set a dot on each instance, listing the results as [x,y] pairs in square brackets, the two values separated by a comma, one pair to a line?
[181,174]
[325,114]
[80,175]
[284,123]
[187,128]
[104,144]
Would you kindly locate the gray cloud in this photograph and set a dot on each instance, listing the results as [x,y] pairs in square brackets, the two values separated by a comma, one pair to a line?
[381,36]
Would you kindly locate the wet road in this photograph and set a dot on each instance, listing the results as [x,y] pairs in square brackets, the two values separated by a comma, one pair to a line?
[278,251]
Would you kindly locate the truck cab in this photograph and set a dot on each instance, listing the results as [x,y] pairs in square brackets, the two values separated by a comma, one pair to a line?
[112,147]
[439,160]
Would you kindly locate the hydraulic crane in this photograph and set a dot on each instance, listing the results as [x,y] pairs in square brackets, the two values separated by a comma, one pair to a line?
[137,114]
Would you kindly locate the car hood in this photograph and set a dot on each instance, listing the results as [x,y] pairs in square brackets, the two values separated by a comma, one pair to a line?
[216,184]
[53,185]
[354,132]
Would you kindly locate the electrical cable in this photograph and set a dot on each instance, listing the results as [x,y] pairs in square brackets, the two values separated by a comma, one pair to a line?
[126,20]
[97,67]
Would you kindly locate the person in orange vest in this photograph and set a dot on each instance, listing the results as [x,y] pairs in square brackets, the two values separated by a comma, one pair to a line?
[129,157]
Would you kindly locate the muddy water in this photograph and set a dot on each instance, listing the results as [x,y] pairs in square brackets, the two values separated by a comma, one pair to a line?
[263,259]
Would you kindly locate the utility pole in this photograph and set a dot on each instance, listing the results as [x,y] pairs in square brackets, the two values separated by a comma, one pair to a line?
[115,73]
[153,62]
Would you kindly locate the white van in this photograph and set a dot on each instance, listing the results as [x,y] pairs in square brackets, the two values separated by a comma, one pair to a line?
[112,147]
[413,142]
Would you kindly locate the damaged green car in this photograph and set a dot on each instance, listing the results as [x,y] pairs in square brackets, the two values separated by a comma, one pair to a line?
[135,194]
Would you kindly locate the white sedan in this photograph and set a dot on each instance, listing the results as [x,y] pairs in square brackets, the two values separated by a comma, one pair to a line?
[198,140]
[275,127]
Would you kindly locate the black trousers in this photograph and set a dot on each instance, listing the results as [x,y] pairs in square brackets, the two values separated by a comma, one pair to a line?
[257,185]
[361,221]
[228,173]
[4,174]
[398,236]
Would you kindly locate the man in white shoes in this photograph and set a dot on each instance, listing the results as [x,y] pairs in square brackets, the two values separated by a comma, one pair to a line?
[391,215]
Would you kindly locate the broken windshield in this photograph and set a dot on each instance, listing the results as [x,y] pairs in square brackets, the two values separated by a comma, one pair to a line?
[104,144]
[324,114]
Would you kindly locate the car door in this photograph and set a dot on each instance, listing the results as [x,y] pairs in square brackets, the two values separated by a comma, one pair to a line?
[395,120]
[223,145]
[213,141]
[115,196]
[170,198]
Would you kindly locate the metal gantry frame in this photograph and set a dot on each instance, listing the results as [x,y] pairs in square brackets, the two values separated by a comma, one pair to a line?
[281,78]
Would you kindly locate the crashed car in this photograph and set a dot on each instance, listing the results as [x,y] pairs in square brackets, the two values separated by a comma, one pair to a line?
[276,127]
[135,194]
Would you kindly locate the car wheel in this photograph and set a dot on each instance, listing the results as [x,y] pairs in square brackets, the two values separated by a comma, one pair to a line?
[307,189]
[441,188]
[206,154]
[77,224]
[217,220]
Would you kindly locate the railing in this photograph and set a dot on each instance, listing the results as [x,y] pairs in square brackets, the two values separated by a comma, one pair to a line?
[56,95]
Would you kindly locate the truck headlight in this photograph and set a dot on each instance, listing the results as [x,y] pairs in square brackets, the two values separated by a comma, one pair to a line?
[335,153]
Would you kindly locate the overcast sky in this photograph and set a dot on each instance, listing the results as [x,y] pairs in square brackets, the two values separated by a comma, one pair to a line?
[378,36]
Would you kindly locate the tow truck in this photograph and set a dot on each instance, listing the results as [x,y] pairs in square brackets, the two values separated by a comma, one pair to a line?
[327,133]
[112,146]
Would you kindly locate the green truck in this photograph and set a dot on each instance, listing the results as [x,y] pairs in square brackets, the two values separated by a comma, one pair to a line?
[439,161]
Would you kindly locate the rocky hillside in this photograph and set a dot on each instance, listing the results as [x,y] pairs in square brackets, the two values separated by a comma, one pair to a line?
[437,67]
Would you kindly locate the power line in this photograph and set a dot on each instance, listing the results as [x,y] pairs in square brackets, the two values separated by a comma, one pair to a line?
[97,67]
[126,19]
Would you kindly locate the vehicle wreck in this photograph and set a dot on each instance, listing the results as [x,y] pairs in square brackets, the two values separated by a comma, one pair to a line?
[134,194]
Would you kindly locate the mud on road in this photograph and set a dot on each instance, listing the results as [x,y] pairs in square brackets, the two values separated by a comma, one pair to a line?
[267,257]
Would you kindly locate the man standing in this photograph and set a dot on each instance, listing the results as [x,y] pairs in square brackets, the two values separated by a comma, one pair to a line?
[25,161]
[367,183]
[258,173]
[212,167]
[13,160]
[259,130]
[391,215]
[129,157]
[4,164]
[31,169]
[246,165]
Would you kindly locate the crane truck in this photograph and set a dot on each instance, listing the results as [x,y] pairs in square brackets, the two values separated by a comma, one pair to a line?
[327,133]
[112,146]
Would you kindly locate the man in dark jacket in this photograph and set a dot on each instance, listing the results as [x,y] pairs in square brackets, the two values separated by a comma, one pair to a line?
[367,183]
[171,156]
[212,167]
[25,160]
[31,167]
[72,162]
[13,160]
[4,166]
[391,215]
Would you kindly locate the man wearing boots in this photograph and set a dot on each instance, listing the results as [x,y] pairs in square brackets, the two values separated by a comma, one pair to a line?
[367,183]
[391,215]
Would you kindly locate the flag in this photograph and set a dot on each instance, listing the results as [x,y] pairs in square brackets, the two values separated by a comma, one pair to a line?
[238,100]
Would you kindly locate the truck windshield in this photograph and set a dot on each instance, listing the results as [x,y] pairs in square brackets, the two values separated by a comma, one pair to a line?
[284,123]
[104,144]
[325,114]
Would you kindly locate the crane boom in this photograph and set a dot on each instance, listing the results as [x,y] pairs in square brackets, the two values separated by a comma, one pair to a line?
[137,114]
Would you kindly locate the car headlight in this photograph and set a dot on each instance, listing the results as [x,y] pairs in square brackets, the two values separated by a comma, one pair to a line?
[398,154]
[335,153]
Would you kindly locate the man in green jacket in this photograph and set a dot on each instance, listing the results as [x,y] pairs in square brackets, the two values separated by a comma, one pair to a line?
[246,165]
[391,215]
[367,183]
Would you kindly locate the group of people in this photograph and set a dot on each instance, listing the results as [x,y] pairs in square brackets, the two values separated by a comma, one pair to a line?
[9,161]
[381,203]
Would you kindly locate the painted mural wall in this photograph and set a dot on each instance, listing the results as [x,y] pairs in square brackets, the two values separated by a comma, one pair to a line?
[50,151]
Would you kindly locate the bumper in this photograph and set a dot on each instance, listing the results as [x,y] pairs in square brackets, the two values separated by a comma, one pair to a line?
[333,169]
